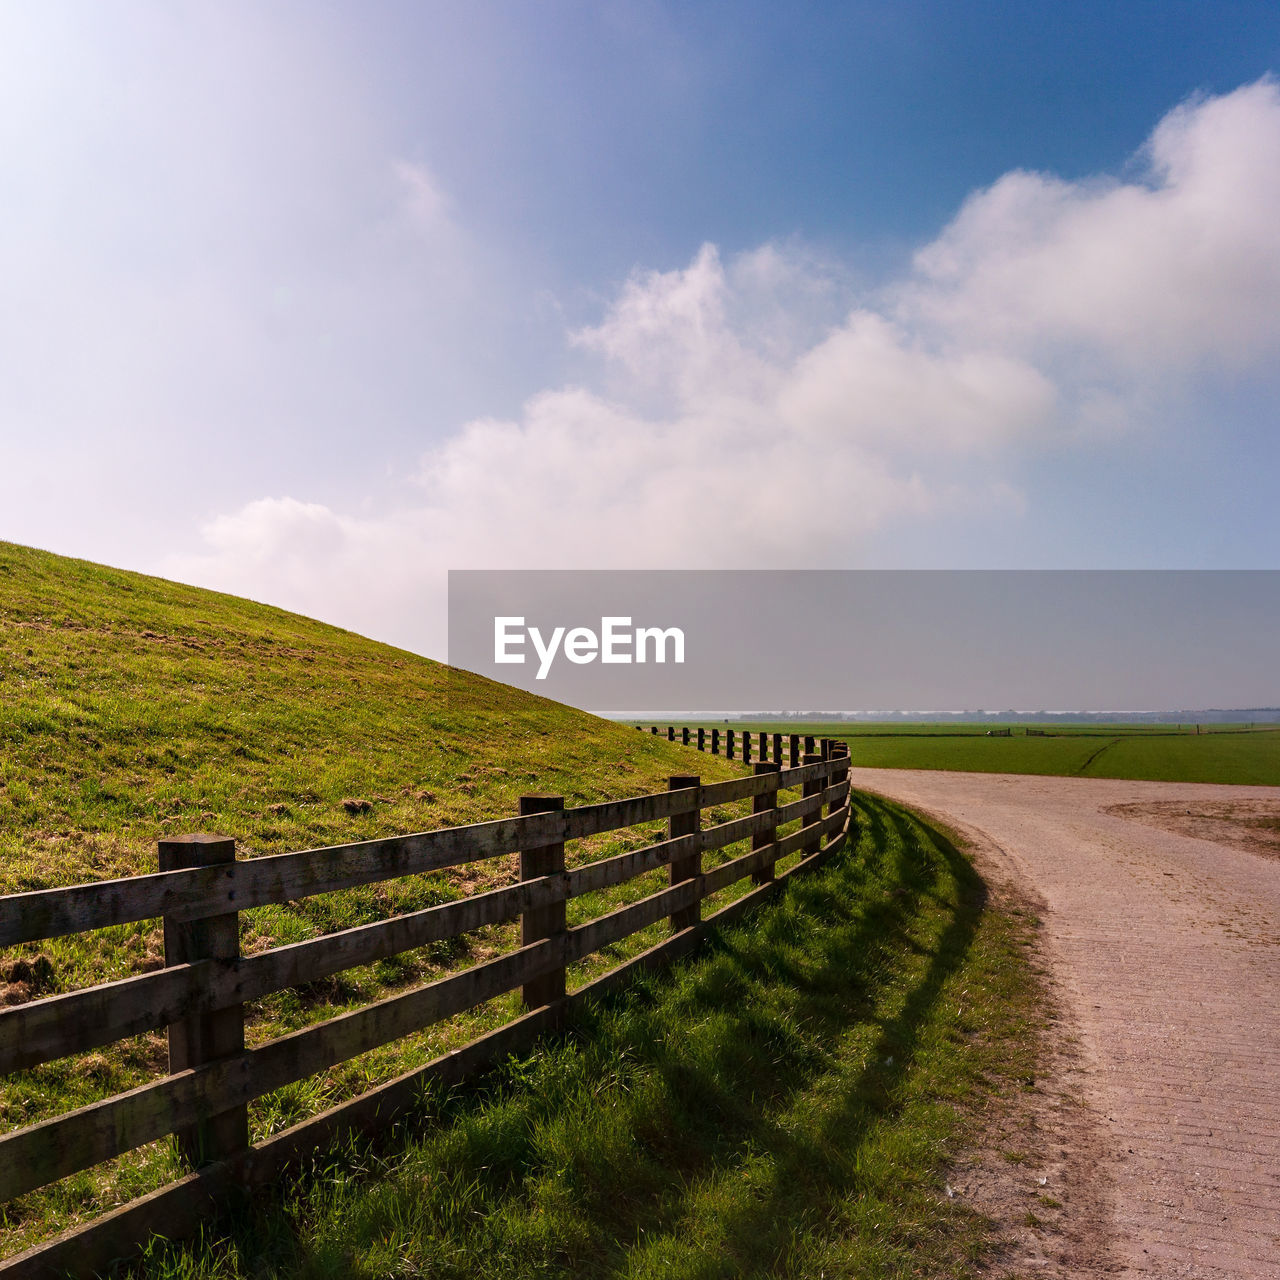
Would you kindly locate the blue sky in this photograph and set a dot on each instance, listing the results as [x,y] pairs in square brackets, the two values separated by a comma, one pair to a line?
[315,302]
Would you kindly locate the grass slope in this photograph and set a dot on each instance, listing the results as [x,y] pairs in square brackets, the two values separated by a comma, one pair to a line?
[783,1105]
[132,708]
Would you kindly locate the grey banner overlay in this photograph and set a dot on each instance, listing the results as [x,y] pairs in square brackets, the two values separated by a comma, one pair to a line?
[862,640]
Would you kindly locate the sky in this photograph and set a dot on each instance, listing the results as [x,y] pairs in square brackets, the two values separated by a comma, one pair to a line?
[315,302]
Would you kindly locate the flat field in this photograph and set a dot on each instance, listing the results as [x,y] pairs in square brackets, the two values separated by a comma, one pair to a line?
[1157,753]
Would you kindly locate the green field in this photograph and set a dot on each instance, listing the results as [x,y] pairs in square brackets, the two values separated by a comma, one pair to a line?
[1218,753]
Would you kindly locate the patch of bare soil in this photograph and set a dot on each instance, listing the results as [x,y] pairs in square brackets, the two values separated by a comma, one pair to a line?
[1243,824]
[1037,1174]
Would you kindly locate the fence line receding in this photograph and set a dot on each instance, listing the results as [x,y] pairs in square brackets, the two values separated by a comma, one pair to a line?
[200,994]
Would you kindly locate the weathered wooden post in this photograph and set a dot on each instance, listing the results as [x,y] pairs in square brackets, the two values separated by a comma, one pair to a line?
[841,753]
[702,739]
[671,733]
[202,1038]
[815,786]
[795,750]
[764,745]
[548,921]
[839,750]
[715,742]
[684,736]
[746,747]
[765,839]
[689,866]
[654,730]
[728,739]
[825,750]
[808,744]
[777,749]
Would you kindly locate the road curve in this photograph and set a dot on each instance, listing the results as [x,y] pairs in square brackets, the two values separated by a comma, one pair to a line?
[1167,951]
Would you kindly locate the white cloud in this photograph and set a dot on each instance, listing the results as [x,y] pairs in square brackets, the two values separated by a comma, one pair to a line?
[732,426]
[1178,270]
[424,199]
[874,382]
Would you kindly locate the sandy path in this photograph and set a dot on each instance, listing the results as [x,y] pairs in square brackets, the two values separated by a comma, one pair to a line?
[1167,951]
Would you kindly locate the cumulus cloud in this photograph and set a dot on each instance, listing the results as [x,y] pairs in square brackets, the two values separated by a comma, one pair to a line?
[734,424]
[1178,269]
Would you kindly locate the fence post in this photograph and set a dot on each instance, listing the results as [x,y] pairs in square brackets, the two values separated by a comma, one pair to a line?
[205,1037]
[702,739]
[684,736]
[690,866]
[764,839]
[715,742]
[808,744]
[838,751]
[654,729]
[671,733]
[812,788]
[542,922]
[728,739]
[777,749]
[842,753]
[746,747]
[825,751]
[795,750]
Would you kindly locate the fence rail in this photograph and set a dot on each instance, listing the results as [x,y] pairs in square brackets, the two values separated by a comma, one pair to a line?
[201,993]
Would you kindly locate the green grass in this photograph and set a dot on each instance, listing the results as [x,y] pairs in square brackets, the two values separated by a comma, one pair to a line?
[783,1104]
[133,708]
[1220,753]
[1253,758]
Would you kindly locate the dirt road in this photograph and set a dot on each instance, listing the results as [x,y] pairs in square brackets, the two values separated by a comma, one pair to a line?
[1166,947]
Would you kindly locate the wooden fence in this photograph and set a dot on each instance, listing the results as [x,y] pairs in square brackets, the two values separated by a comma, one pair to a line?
[779,748]
[200,994]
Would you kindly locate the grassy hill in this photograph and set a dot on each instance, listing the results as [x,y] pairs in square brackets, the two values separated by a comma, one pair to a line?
[132,708]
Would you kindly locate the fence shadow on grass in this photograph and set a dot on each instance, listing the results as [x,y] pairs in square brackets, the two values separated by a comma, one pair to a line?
[812,1170]
[832,993]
